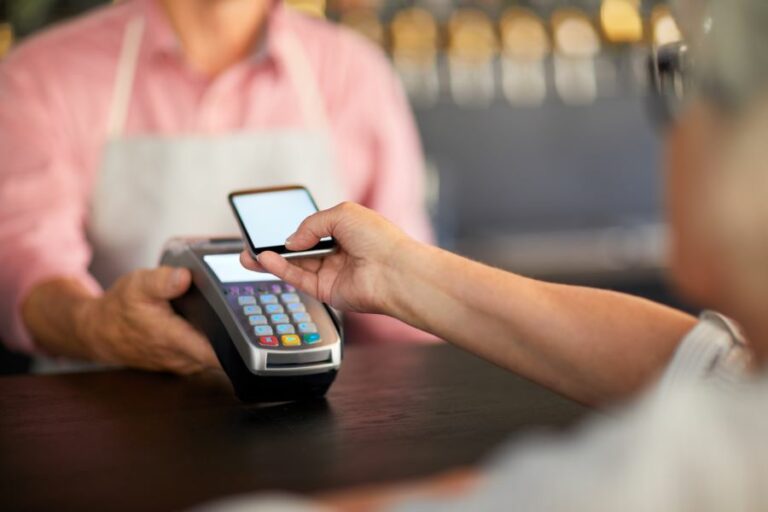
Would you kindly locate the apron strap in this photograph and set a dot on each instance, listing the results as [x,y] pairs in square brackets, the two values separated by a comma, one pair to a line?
[126,71]
[301,75]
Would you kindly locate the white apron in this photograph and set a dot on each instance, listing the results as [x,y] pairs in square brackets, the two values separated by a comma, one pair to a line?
[151,188]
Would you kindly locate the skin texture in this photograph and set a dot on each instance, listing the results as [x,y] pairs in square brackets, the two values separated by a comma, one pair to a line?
[132,323]
[593,345]
[711,262]
[216,34]
[691,156]
[716,194]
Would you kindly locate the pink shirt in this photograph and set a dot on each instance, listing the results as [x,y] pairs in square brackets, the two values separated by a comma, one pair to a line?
[55,93]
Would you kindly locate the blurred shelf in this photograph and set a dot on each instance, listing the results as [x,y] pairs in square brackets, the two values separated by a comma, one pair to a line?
[553,167]
[608,256]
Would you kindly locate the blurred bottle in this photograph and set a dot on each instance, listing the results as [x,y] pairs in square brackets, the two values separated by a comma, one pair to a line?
[624,31]
[576,48]
[525,46]
[414,38]
[621,21]
[314,8]
[440,9]
[6,38]
[663,26]
[342,6]
[471,53]
[365,21]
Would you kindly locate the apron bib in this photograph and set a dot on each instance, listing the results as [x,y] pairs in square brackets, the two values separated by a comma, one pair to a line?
[152,188]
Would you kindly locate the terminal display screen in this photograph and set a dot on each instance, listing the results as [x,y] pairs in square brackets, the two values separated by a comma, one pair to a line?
[228,269]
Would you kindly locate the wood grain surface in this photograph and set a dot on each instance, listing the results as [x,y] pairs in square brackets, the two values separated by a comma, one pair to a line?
[130,440]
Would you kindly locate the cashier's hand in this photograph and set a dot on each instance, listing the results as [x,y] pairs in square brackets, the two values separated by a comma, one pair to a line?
[133,324]
[358,275]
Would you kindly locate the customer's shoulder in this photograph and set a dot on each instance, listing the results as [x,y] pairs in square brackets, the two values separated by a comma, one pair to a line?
[81,39]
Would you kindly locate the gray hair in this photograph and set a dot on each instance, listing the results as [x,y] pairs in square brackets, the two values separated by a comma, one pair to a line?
[728,40]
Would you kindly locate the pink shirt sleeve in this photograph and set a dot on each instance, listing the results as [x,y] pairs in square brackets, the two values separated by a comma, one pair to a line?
[398,182]
[42,205]
[397,185]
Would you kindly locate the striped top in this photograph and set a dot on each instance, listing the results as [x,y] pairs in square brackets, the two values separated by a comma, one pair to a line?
[714,350]
[695,442]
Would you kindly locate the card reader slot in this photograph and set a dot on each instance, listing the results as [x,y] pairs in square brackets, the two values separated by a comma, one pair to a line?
[292,360]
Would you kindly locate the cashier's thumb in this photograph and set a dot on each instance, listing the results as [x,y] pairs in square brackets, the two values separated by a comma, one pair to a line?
[165,282]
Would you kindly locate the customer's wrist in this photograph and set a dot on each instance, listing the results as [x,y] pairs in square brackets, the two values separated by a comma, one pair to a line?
[401,273]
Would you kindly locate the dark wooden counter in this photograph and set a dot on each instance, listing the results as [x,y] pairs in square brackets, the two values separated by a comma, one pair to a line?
[128,440]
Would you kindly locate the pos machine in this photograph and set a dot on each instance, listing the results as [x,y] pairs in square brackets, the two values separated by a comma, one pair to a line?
[274,342]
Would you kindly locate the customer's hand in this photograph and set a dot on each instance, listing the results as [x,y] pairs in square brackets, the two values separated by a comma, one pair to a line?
[359,275]
[133,324]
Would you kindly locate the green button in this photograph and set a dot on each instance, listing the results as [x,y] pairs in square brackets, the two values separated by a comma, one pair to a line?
[311,338]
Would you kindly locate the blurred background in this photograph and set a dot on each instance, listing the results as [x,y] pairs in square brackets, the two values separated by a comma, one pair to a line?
[541,153]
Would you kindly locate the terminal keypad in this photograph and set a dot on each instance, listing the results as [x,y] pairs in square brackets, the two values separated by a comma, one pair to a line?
[274,314]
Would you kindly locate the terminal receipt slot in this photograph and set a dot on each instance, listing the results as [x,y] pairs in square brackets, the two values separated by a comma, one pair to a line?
[274,342]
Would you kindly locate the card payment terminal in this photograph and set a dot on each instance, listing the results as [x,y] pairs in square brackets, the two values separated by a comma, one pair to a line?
[274,342]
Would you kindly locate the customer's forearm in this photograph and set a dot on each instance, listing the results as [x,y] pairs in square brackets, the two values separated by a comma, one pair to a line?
[52,313]
[593,345]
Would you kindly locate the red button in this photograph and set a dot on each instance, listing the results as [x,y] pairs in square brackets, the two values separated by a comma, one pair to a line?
[268,341]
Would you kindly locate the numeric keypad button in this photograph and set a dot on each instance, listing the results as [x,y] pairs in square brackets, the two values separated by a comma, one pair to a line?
[257,320]
[251,310]
[307,327]
[263,330]
[295,307]
[274,308]
[285,329]
[268,298]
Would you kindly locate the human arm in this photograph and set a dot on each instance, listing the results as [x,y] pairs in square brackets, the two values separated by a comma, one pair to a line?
[694,442]
[49,302]
[391,159]
[694,448]
[593,345]
[131,323]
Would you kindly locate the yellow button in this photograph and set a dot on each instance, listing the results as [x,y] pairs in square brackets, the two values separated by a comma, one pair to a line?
[290,340]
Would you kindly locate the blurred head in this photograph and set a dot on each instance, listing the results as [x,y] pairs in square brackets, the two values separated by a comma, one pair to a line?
[717,160]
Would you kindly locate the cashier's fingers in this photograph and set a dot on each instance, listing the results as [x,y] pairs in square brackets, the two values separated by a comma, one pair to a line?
[194,352]
[182,349]
[160,283]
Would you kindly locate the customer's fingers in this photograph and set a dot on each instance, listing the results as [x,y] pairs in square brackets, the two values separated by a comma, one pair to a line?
[250,263]
[311,264]
[302,279]
[319,225]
